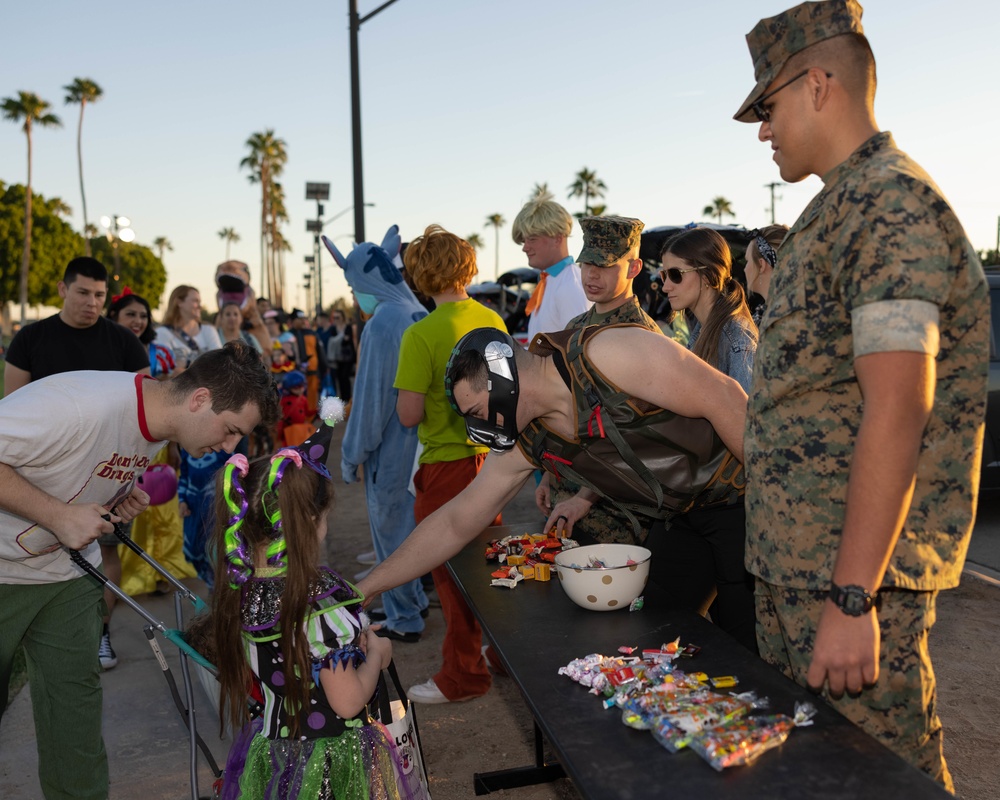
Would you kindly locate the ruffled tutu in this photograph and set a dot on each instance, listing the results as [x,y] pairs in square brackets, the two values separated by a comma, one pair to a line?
[359,764]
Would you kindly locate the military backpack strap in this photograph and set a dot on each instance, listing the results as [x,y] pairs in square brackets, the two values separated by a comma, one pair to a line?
[606,427]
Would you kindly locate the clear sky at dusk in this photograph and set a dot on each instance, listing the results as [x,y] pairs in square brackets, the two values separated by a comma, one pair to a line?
[466,104]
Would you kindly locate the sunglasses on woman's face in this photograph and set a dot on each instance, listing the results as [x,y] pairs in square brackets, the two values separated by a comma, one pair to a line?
[675,275]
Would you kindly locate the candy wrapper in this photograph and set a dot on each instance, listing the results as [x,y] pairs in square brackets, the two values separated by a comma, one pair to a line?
[740,741]
[695,712]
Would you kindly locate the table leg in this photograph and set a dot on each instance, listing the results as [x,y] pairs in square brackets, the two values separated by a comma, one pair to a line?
[540,772]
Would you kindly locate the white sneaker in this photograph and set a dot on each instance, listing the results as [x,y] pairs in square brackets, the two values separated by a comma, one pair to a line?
[429,693]
[106,653]
[367,558]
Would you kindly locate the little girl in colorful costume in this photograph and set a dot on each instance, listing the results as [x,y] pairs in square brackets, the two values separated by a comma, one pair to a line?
[296,629]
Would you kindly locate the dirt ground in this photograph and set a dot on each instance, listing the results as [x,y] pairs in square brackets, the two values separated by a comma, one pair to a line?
[495,731]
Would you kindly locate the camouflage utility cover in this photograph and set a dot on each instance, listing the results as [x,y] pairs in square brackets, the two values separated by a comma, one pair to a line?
[607,239]
[879,232]
[775,40]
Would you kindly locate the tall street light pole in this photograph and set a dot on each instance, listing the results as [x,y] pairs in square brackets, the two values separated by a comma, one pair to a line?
[359,189]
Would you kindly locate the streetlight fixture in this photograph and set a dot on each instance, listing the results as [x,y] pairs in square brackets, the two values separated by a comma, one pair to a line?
[117,228]
[359,190]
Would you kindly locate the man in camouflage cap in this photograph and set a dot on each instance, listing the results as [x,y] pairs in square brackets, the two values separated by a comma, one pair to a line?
[608,262]
[865,421]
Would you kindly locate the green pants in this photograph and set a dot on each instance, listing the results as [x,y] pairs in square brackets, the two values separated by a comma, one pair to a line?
[59,625]
[901,709]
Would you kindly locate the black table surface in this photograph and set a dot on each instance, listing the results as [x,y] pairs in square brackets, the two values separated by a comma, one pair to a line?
[536,629]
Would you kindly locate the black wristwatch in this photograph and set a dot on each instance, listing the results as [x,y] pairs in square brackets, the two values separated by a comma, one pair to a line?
[852,600]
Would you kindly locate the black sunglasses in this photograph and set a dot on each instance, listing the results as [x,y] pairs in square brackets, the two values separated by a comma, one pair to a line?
[675,275]
[764,114]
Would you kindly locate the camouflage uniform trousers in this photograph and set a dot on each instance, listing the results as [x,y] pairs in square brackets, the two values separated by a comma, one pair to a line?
[604,524]
[900,711]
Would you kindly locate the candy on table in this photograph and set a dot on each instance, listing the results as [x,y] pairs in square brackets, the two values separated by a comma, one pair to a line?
[742,740]
[696,712]
[528,572]
[543,572]
[724,682]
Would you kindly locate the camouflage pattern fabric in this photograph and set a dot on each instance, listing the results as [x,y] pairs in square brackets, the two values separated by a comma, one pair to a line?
[878,236]
[605,523]
[607,239]
[629,311]
[776,39]
[901,709]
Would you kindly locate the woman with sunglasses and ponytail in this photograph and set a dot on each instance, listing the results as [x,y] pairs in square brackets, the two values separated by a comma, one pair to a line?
[762,258]
[706,547]
[295,628]
[697,276]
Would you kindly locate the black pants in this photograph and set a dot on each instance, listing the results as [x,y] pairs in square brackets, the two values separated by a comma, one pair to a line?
[698,561]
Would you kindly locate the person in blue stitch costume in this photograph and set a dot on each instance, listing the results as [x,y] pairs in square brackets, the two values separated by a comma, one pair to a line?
[375,439]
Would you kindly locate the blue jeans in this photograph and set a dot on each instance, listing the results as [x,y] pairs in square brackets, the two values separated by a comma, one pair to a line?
[390,514]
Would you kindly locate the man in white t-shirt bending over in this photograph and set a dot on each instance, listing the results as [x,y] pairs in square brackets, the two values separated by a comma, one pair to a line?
[71,448]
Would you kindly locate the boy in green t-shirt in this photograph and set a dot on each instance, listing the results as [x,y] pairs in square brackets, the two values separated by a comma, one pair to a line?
[441,266]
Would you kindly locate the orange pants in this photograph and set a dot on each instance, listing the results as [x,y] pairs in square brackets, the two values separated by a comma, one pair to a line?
[464,673]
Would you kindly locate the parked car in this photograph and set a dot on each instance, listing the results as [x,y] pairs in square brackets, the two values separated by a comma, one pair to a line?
[990,472]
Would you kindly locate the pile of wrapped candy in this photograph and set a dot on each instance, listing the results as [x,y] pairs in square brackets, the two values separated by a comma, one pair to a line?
[525,557]
[685,709]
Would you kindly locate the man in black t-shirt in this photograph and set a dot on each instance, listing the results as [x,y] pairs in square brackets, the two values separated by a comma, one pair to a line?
[79,338]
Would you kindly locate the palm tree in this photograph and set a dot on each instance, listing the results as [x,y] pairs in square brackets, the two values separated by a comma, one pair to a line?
[59,206]
[162,244]
[32,109]
[587,185]
[231,237]
[719,206]
[539,190]
[497,221]
[475,241]
[266,161]
[82,91]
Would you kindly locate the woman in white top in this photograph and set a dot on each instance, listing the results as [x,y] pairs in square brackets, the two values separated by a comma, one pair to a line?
[182,330]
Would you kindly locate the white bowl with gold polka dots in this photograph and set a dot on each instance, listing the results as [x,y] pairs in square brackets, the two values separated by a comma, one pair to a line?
[606,588]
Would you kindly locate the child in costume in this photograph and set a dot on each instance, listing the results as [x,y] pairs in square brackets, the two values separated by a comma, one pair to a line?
[196,496]
[296,629]
[296,414]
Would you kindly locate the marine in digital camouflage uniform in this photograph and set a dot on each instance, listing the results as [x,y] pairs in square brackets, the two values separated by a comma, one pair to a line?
[608,263]
[870,380]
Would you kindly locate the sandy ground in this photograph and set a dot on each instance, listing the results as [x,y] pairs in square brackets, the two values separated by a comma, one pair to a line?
[148,751]
[495,731]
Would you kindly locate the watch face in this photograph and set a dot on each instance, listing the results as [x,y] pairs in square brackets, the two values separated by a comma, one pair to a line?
[854,603]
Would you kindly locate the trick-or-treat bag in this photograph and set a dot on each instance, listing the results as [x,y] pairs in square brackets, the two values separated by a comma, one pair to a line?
[411,774]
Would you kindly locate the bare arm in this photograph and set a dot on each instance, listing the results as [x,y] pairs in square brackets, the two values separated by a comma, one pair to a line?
[410,407]
[74,525]
[454,525]
[898,391]
[347,689]
[14,378]
[658,370]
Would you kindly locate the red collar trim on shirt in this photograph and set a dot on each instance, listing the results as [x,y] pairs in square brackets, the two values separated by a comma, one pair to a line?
[143,428]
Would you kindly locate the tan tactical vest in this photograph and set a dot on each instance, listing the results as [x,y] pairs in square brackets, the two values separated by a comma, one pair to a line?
[641,457]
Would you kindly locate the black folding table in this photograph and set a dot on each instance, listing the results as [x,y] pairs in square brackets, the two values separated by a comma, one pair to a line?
[536,629]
